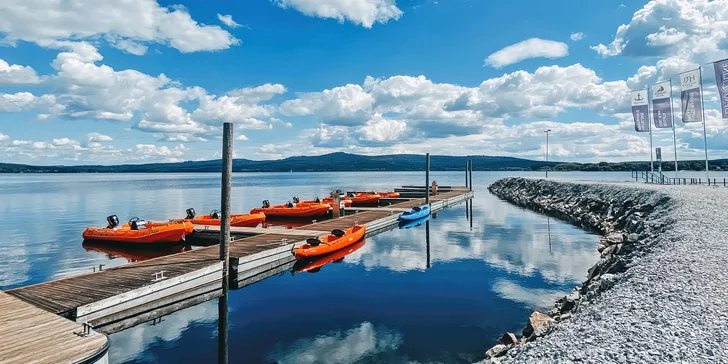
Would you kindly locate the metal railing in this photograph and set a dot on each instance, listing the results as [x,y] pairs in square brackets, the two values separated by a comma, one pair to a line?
[659,178]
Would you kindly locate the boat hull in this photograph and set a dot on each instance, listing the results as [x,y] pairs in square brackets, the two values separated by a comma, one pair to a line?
[312,210]
[247,220]
[153,234]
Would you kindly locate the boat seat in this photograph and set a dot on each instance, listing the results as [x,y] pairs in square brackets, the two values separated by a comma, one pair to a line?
[313,241]
[338,233]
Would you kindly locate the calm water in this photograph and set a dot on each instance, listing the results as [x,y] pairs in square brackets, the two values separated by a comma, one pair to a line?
[395,299]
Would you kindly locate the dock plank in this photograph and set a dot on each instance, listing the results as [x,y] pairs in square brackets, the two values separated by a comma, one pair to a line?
[29,334]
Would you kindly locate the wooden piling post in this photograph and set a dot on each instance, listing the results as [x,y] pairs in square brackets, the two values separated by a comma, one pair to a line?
[467,170]
[227,184]
[427,179]
[471,174]
[336,197]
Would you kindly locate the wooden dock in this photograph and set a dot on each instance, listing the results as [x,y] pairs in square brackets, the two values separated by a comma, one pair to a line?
[114,294]
[29,334]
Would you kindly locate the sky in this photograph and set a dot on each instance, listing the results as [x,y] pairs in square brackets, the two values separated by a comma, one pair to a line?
[138,81]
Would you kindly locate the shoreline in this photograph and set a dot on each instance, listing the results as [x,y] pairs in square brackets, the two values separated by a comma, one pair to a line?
[654,239]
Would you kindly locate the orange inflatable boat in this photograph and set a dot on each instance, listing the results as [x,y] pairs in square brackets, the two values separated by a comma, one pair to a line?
[369,198]
[315,265]
[139,231]
[388,194]
[338,239]
[248,220]
[299,210]
[330,201]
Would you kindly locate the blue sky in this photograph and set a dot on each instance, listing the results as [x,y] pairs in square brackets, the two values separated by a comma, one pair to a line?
[153,81]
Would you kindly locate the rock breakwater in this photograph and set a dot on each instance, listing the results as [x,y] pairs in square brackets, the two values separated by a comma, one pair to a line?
[633,220]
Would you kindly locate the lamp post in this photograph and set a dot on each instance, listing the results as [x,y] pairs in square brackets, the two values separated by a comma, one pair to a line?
[547,151]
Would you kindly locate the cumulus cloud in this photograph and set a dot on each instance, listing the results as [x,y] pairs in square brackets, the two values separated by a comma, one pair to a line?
[228,20]
[23,101]
[16,74]
[691,29]
[125,25]
[577,36]
[530,48]
[359,12]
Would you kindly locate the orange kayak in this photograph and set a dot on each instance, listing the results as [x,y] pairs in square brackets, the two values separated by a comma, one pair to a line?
[338,239]
[365,199]
[315,265]
[303,209]
[141,232]
[388,194]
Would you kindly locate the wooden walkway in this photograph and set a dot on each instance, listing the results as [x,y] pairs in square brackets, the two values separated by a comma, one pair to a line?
[29,334]
[90,296]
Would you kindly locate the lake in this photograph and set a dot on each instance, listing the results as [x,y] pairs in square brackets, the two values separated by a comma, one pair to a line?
[399,297]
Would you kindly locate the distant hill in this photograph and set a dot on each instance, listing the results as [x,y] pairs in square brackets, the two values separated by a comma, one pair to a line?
[353,162]
[321,163]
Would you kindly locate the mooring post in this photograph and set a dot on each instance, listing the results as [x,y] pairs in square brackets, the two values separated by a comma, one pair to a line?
[471,175]
[227,184]
[427,179]
[467,170]
[336,196]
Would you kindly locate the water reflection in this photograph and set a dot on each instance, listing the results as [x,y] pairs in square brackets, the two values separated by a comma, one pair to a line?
[363,342]
[133,253]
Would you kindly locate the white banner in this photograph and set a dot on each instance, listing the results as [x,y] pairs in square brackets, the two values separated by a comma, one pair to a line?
[690,97]
[661,91]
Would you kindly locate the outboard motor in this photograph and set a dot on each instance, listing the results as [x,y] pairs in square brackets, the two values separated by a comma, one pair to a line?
[317,200]
[190,213]
[313,241]
[289,204]
[266,204]
[296,199]
[215,214]
[113,221]
[137,224]
[351,194]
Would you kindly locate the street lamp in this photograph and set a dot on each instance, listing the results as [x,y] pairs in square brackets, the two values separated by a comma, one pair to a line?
[547,151]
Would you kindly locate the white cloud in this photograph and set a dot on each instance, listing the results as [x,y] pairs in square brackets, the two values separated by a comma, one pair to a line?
[577,36]
[241,137]
[359,12]
[228,20]
[340,347]
[22,101]
[96,137]
[16,74]
[345,105]
[695,30]
[254,95]
[530,48]
[124,25]
[4,138]
[380,129]
[280,123]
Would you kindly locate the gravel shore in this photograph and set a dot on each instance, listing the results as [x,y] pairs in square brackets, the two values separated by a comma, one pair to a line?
[670,301]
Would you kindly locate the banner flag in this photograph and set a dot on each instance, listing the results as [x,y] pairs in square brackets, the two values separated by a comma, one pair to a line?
[690,97]
[721,80]
[661,107]
[640,111]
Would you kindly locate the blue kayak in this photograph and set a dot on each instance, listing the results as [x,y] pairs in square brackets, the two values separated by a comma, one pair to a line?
[415,213]
[413,223]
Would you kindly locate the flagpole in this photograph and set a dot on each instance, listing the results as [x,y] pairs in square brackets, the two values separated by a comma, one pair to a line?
[649,123]
[705,134]
[674,137]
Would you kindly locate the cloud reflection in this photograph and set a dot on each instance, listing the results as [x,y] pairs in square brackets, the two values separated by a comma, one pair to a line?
[360,342]
[132,343]
[533,297]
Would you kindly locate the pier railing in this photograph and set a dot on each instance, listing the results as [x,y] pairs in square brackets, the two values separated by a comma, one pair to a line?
[660,178]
